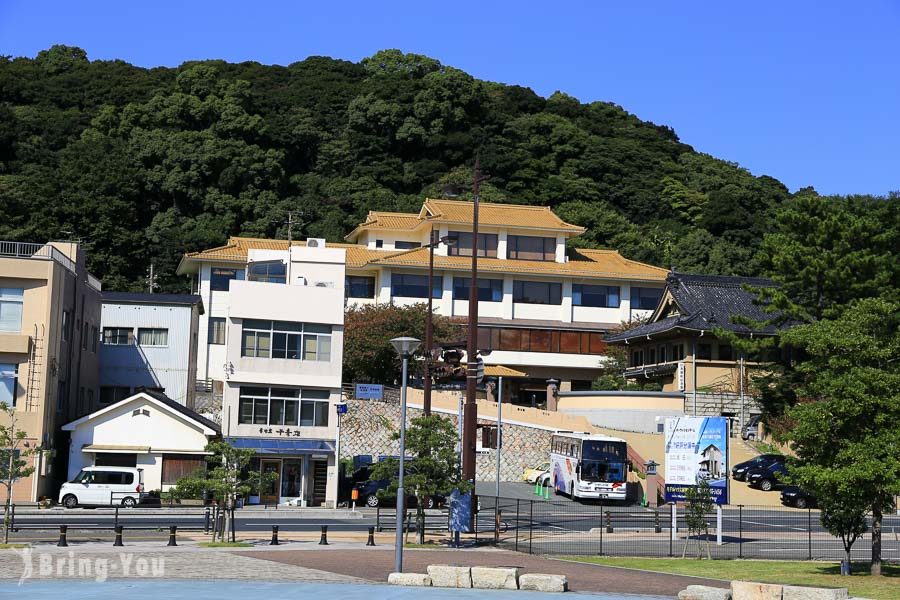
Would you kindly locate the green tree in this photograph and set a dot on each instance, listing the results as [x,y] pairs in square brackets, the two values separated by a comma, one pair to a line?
[845,517]
[14,452]
[843,428]
[698,504]
[433,471]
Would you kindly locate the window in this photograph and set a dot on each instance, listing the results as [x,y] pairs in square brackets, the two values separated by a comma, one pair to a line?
[537,292]
[704,351]
[85,333]
[662,354]
[645,298]
[66,326]
[526,247]
[268,272]
[404,245]
[461,244]
[489,290]
[283,339]
[9,376]
[358,286]
[637,358]
[379,243]
[283,406]
[604,296]
[216,330]
[725,352]
[414,286]
[11,301]
[179,466]
[651,356]
[541,340]
[118,336]
[110,394]
[153,337]
[677,352]
[220,278]
[94,336]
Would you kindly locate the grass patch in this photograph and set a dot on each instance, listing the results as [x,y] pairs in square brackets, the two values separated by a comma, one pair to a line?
[8,546]
[225,545]
[769,571]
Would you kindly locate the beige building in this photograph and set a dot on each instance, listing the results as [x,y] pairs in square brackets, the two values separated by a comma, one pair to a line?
[49,336]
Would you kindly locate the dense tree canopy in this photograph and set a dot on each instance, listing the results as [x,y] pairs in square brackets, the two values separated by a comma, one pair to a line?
[144,164]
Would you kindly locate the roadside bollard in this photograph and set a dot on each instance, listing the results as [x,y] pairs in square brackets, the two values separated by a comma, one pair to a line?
[371,540]
[274,541]
[323,541]
[206,520]
[172,530]
[656,526]
[118,541]
[62,536]
[609,528]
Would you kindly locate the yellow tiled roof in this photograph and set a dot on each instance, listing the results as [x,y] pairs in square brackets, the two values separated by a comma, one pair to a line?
[386,220]
[237,247]
[501,215]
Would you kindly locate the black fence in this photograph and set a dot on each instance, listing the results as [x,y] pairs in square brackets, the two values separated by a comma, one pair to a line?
[565,527]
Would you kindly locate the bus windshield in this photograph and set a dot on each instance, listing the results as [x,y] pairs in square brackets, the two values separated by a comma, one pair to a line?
[599,470]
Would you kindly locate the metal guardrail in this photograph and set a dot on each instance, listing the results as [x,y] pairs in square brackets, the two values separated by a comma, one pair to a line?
[36,251]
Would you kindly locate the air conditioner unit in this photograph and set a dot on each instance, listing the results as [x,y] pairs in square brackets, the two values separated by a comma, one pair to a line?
[325,284]
[315,242]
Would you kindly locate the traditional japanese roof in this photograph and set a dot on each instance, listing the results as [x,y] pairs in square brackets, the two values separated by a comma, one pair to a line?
[704,303]
[459,212]
[386,220]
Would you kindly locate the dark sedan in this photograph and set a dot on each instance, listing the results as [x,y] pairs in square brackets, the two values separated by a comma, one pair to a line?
[739,471]
[766,478]
[796,497]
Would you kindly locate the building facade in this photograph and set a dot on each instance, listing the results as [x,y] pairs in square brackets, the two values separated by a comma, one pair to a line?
[149,341]
[49,332]
[274,332]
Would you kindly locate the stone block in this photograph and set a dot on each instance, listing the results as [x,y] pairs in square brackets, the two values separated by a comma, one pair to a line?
[413,579]
[704,592]
[751,590]
[450,576]
[796,592]
[541,582]
[495,578]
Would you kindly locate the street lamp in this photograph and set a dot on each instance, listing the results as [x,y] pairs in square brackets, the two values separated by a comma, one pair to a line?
[405,347]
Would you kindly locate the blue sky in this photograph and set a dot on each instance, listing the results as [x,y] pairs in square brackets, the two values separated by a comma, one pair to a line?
[808,92]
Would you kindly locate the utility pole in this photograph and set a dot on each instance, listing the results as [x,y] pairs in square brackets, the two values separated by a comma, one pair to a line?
[470,415]
[151,279]
[290,224]
[429,327]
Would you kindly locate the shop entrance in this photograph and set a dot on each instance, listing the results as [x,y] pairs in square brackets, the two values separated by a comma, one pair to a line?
[320,481]
[269,494]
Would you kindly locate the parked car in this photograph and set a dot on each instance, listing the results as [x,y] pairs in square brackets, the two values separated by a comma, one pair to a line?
[104,486]
[739,471]
[766,478]
[368,493]
[532,473]
[751,429]
[796,497]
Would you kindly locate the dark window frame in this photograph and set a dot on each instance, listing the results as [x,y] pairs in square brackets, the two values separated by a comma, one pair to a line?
[220,278]
[581,291]
[461,244]
[489,290]
[554,292]
[514,251]
[352,282]
[436,290]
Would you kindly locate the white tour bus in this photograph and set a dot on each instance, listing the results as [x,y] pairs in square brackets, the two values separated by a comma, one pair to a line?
[586,465]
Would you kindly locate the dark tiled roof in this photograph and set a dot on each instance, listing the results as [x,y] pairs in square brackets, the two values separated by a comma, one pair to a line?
[707,302]
[150,298]
[180,408]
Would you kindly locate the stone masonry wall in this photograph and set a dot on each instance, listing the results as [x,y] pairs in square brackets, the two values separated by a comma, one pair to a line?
[368,425]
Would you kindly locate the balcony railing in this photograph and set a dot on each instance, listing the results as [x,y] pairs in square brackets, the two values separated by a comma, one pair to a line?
[36,251]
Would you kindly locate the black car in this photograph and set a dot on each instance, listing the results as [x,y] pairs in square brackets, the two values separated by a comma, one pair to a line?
[796,497]
[739,471]
[766,478]
[368,493]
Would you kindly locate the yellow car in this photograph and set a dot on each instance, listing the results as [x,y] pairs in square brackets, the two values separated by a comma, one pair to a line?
[532,473]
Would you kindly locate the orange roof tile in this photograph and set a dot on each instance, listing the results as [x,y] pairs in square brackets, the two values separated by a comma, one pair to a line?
[386,220]
[500,215]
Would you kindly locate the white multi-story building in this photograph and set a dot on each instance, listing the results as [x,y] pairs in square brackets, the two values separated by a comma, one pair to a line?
[149,341]
[274,332]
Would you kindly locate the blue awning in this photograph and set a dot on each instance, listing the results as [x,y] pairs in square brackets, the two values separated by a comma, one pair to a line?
[276,446]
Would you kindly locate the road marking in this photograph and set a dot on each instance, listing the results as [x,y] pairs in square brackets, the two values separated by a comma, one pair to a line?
[769,524]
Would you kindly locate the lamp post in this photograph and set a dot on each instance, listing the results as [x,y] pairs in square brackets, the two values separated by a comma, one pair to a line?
[405,347]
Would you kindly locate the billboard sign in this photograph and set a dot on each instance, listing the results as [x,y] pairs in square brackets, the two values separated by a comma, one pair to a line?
[696,450]
[369,391]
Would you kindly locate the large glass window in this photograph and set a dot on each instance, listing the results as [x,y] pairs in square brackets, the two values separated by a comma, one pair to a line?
[11,301]
[359,286]
[414,286]
[153,336]
[283,339]
[268,272]
[404,245]
[216,330]
[283,406]
[461,244]
[541,340]
[220,278]
[489,290]
[645,298]
[9,376]
[118,336]
[537,292]
[603,296]
[527,247]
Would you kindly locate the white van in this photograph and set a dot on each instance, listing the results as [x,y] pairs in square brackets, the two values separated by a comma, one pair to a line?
[104,486]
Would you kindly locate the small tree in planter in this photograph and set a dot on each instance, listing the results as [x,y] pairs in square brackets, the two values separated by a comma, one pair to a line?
[845,519]
[13,463]
[226,478]
[699,503]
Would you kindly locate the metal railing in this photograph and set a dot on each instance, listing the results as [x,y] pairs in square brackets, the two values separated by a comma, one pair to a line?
[36,251]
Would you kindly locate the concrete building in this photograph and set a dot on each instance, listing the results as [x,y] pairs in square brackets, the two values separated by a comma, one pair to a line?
[274,325]
[49,332]
[149,341]
[147,430]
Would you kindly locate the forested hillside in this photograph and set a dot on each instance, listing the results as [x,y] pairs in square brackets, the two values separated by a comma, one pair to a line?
[145,164]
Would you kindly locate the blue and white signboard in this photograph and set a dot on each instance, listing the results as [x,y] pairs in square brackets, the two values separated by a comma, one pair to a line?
[696,450]
[369,391]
